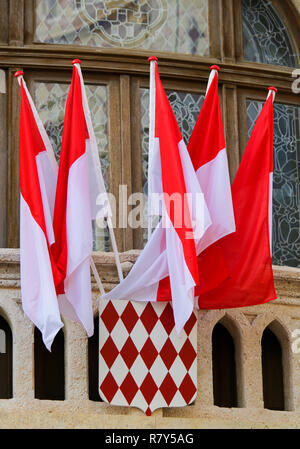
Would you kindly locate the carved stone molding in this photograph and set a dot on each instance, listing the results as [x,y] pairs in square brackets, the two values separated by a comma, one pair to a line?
[287,279]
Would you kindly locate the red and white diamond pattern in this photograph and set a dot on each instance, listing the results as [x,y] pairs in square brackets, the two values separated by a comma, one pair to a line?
[143,362]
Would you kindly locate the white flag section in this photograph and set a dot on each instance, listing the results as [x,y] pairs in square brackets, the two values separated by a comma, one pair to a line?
[171,249]
[272,92]
[96,182]
[99,201]
[154,166]
[208,154]
[78,185]
[38,172]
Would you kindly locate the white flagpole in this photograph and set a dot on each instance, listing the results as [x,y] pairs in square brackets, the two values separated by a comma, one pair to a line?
[97,165]
[97,277]
[153,61]
[115,249]
[214,70]
[272,91]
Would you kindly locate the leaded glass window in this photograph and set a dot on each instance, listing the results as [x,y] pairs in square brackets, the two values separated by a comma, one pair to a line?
[50,99]
[179,26]
[266,38]
[286,180]
[186,107]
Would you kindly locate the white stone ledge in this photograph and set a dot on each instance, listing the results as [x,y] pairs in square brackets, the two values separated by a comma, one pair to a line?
[87,414]
[287,279]
[247,325]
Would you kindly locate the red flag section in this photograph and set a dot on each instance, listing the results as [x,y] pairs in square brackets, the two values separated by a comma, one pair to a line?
[168,133]
[247,251]
[171,249]
[72,221]
[207,138]
[208,154]
[73,147]
[31,144]
[37,187]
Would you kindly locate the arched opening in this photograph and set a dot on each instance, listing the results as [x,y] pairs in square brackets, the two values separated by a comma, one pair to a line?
[272,371]
[5,360]
[93,361]
[266,38]
[224,367]
[49,368]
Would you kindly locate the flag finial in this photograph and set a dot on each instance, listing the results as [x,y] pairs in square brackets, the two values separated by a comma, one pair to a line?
[76,61]
[18,73]
[215,67]
[152,58]
[274,89]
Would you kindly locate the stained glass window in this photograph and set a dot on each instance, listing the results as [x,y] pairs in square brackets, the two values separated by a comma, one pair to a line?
[50,99]
[286,181]
[266,38]
[179,26]
[186,107]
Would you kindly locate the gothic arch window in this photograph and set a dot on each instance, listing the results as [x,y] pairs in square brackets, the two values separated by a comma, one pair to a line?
[172,25]
[49,368]
[114,41]
[272,371]
[224,367]
[286,180]
[266,38]
[93,363]
[5,360]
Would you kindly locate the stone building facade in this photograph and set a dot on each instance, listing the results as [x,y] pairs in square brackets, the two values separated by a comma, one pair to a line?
[77,411]
[34,39]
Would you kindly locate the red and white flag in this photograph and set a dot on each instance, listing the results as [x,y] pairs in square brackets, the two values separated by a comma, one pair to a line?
[208,154]
[171,249]
[78,185]
[38,172]
[247,251]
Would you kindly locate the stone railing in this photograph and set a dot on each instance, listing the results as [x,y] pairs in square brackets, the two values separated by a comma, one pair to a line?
[245,325]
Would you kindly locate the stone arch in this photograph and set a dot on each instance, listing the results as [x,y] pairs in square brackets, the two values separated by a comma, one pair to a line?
[235,324]
[279,326]
[93,362]
[22,341]
[49,367]
[239,327]
[282,335]
[224,367]
[6,356]
[268,38]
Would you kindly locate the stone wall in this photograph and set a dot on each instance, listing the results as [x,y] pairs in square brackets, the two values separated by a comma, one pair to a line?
[77,411]
[297,4]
